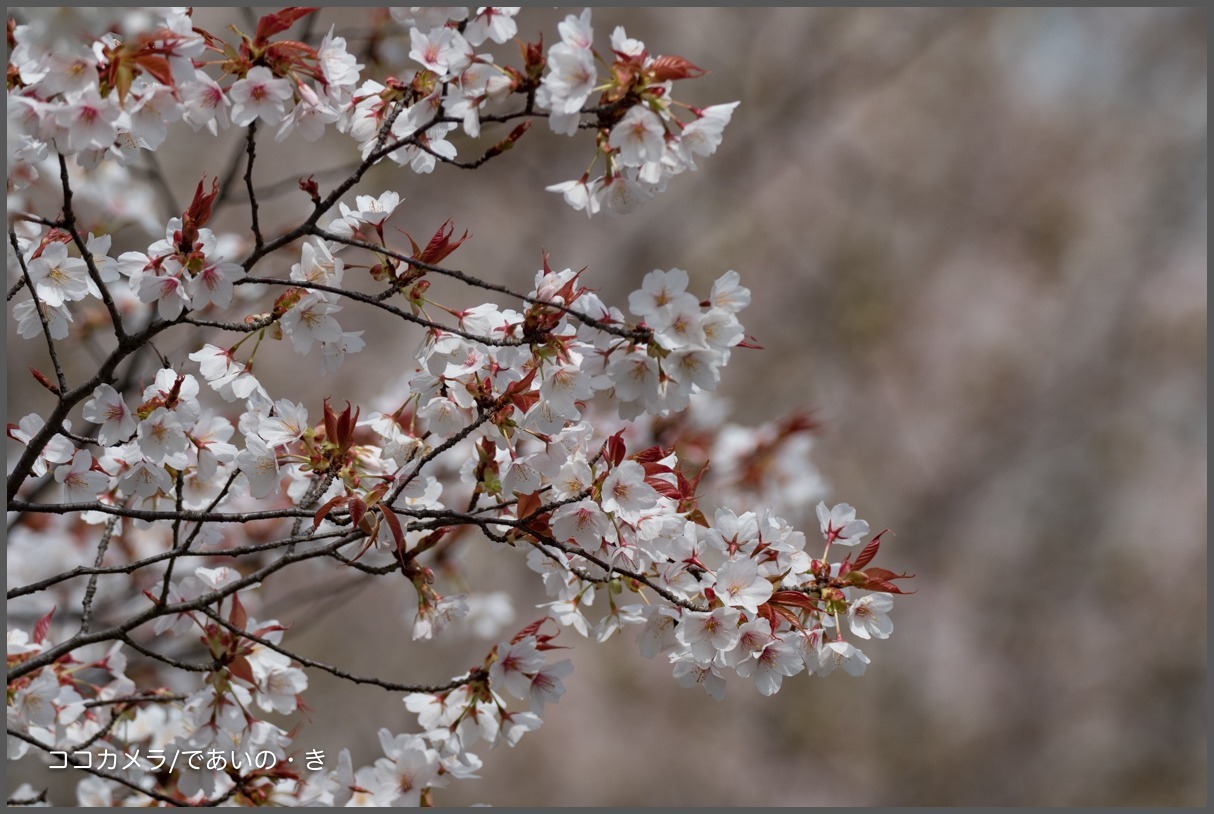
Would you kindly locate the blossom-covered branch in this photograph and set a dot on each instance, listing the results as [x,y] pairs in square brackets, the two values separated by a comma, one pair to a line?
[560,429]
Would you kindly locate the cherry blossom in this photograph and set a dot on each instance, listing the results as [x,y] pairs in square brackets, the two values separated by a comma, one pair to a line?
[546,685]
[702,136]
[58,449]
[492,22]
[80,483]
[260,465]
[840,654]
[839,524]
[86,120]
[625,492]
[867,616]
[639,136]
[57,277]
[442,50]
[740,586]
[259,95]
[30,313]
[310,321]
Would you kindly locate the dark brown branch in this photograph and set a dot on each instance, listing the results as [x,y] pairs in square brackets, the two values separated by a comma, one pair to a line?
[521,525]
[154,655]
[292,184]
[434,453]
[636,334]
[377,302]
[69,224]
[339,673]
[128,345]
[333,197]
[178,550]
[132,567]
[156,611]
[149,514]
[251,151]
[137,699]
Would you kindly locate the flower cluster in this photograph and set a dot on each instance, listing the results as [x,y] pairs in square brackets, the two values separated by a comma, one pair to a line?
[642,142]
[121,95]
[159,490]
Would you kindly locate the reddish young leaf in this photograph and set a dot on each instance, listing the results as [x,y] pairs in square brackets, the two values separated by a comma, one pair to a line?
[533,58]
[279,22]
[329,506]
[652,471]
[523,385]
[542,642]
[520,393]
[788,615]
[375,495]
[883,586]
[294,53]
[157,66]
[266,630]
[237,616]
[869,551]
[528,505]
[240,668]
[440,245]
[768,612]
[398,533]
[664,69]
[42,626]
[881,579]
[345,427]
[651,455]
[530,630]
[885,573]
[794,598]
[615,449]
[330,423]
[664,488]
[199,211]
[358,510]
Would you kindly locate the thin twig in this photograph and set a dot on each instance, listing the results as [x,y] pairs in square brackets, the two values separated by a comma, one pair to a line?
[46,327]
[374,301]
[86,605]
[69,224]
[251,151]
[122,629]
[132,567]
[307,662]
[637,334]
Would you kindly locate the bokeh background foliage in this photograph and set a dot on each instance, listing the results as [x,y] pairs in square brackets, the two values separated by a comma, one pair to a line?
[977,245]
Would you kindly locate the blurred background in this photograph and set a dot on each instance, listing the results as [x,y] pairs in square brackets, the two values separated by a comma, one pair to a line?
[976,242]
